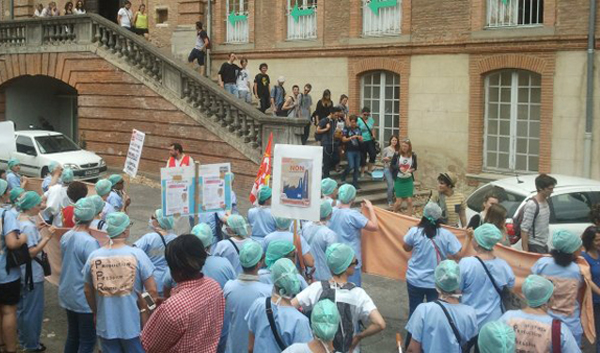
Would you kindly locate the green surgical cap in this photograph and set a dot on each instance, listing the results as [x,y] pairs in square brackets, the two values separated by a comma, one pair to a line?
[537,290]
[204,233]
[328,186]
[117,223]
[165,223]
[29,200]
[67,176]
[98,203]
[264,193]
[487,235]
[496,337]
[250,254]
[52,166]
[285,278]
[13,162]
[85,210]
[447,276]
[346,193]
[325,320]
[282,223]
[326,209]
[432,211]
[238,225]
[339,257]
[566,242]
[15,193]
[115,179]
[278,249]
[103,187]
[3,186]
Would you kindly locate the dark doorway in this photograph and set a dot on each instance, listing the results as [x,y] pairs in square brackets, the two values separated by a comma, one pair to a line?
[108,9]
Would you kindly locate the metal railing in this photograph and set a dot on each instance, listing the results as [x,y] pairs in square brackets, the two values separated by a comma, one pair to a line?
[303,24]
[513,13]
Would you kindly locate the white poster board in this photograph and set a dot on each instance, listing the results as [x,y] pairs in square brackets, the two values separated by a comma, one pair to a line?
[178,190]
[219,169]
[134,154]
[7,138]
[297,182]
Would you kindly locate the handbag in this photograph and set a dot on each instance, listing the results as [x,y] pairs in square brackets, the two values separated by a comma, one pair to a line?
[377,145]
[45,263]
[15,258]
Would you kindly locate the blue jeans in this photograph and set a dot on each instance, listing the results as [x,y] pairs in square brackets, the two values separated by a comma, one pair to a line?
[133,345]
[30,314]
[245,96]
[389,180]
[81,334]
[416,296]
[353,163]
[231,88]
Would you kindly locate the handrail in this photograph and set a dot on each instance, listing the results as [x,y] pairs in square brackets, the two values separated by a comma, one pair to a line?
[241,120]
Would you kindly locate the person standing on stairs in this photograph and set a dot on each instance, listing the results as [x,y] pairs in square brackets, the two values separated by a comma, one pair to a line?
[305,106]
[199,51]
[125,16]
[403,165]
[228,75]
[262,87]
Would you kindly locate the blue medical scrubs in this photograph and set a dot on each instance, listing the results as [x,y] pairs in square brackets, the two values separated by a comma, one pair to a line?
[153,246]
[261,221]
[347,224]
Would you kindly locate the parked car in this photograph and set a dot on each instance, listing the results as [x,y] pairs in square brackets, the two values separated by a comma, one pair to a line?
[36,149]
[570,202]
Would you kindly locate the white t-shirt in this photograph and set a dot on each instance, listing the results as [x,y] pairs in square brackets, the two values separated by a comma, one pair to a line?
[79,12]
[242,80]
[126,17]
[56,200]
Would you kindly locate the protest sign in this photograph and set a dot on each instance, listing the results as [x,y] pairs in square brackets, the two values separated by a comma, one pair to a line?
[219,169]
[215,193]
[134,154]
[178,190]
[7,138]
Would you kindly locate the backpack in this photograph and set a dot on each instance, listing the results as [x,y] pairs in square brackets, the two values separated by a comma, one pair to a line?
[344,335]
[518,220]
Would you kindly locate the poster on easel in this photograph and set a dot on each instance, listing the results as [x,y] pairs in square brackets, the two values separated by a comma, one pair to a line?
[297,182]
[178,190]
[215,194]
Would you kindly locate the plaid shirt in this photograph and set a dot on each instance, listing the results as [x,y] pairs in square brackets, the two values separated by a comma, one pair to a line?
[189,321]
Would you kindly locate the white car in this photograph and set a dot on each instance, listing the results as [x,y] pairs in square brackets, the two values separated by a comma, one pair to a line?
[36,149]
[570,202]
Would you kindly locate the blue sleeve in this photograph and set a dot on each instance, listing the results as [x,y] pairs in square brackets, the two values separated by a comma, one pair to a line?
[567,341]
[251,315]
[10,223]
[303,283]
[331,238]
[33,236]
[453,246]
[303,332]
[536,269]
[230,273]
[89,247]
[143,243]
[464,273]
[13,181]
[510,280]
[409,238]
[415,324]
[145,266]
[167,280]
[358,220]
[305,245]
[87,270]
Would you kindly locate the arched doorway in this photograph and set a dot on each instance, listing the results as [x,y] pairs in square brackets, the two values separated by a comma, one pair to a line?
[380,91]
[41,103]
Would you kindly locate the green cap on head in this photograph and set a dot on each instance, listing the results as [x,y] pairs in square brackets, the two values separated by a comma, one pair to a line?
[67,176]
[264,193]
[326,209]
[496,337]
[276,250]
[85,210]
[447,276]
[325,320]
[566,242]
[52,166]
[165,223]
[3,187]
[15,193]
[103,187]
[29,200]
[98,203]
[204,233]
[13,162]
[238,225]
[250,254]
[346,194]
[115,179]
[282,223]
[487,235]
[117,223]
[328,186]
[339,257]
[537,290]
[285,278]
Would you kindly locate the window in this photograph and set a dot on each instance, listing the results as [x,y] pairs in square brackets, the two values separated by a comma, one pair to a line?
[381,17]
[302,19]
[24,145]
[162,15]
[509,200]
[512,121]
[237,21]
[571,208]
[510,13]
[381,93]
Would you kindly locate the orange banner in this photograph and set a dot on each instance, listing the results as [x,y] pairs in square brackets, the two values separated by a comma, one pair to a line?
[383,256]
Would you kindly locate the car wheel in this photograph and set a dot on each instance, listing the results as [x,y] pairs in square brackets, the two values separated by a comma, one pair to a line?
[44,172]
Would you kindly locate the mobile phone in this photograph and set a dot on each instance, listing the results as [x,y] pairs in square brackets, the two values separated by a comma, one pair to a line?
[149,301]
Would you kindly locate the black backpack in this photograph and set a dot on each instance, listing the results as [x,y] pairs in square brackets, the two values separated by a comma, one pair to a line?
[344,335]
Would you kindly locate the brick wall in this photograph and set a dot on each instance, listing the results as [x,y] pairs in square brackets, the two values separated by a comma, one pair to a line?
[111,103]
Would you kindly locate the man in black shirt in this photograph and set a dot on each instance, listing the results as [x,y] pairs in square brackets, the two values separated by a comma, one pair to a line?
[228,75]
[262,87]
[326,131]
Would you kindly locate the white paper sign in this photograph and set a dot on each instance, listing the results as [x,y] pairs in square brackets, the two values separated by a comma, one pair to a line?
[178,190]
[134,154]
[297,182]
[219,169]
[7,138]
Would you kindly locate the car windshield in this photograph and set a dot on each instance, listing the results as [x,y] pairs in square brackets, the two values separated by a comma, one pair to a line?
[55,144]
[508,199]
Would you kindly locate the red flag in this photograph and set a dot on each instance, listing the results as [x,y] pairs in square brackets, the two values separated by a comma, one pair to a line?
[264,172]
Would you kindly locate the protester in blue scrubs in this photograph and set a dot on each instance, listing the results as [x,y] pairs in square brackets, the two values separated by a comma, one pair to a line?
[53,176]
[348,224]
[76,246]
[110,292]
[103,189]
[260,218]
[430,244]
[324,321]
[291,325]
[14,195]
[31,305]
[282,232]
[496,337]
[155,243]
[13,177]
[241,293]
[532,324]
[430,328]
[329,191]
[320,237]
[239,235]
[591,243]
[97,223]
[478,290]
[117,196]
[562,270]
[279,249]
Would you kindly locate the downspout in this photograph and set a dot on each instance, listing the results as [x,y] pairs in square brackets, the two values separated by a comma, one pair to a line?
[209,32]
[12,9]
[589,101]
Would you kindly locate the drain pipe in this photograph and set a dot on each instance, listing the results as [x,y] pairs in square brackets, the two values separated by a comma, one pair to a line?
[12,9]
[589,101]
[209,32]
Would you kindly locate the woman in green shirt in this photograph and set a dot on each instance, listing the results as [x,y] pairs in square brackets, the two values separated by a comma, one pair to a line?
[140,21]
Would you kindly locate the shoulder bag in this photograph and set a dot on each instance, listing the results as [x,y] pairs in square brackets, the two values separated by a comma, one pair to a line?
[452,325]
[503,293]
[377,145]
[269,311]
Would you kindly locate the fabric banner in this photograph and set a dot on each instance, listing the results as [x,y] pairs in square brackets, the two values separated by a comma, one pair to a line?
[384,256]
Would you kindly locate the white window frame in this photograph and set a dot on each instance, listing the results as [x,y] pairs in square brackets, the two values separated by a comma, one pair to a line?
[513,150]
[381,113]
[240,32]
[306,26]
[387,22]
[505,13]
